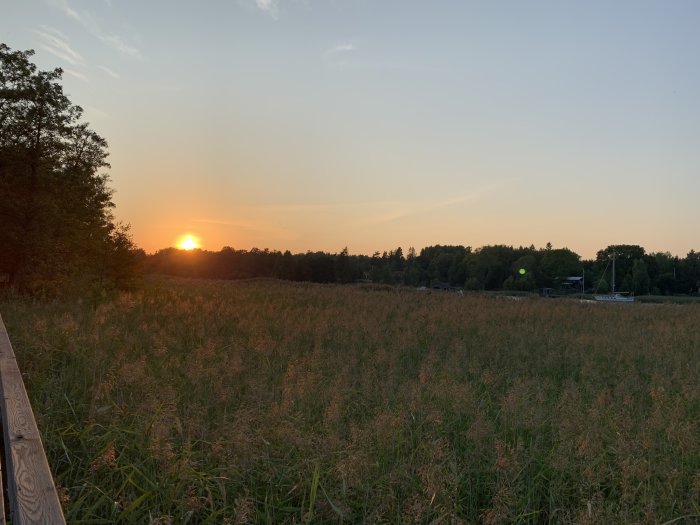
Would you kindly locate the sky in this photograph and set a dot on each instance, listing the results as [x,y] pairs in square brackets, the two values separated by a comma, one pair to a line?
[320,124]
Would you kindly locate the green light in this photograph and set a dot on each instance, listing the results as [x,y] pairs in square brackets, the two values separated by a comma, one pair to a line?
[522,271]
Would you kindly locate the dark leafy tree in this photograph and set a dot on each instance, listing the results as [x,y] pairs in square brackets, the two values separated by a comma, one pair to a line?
[625,255]
[689,281]
[602,286]
[558,264]
[627,284]
[343,271]
[491,265]
[522,274]
[55,206]
[397,260]
[412,271]
[640,277]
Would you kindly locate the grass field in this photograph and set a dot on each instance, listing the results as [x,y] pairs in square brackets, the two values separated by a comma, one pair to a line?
[273,402]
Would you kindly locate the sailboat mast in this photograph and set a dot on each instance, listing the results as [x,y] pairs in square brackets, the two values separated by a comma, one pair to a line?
[613,279]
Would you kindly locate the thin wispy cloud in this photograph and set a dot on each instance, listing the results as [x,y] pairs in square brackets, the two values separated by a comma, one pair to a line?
[250,226]
[76,74]
[68,10]
[55,43]
[348,54]
[340,49]
[294,208]
[219,222]
[91,25]
[91,111]
[162,88]
[119,44]
[405,210]
[269,6]
[108,71]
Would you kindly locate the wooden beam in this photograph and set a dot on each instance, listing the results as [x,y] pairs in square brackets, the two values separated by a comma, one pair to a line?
[31,491]
[3,518]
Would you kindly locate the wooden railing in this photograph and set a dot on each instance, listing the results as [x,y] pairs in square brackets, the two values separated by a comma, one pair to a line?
[29,493]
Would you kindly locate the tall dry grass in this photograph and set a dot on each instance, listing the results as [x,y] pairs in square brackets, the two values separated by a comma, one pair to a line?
[272,402]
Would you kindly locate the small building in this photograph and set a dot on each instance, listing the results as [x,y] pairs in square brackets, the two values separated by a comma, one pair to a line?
[572,285]
[548,292]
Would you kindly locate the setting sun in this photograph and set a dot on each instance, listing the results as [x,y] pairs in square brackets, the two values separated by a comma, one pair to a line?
[188,242]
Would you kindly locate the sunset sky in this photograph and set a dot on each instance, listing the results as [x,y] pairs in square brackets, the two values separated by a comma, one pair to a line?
[319,124]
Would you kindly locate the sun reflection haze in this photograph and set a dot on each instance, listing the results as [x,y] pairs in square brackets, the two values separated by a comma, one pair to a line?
[188,242]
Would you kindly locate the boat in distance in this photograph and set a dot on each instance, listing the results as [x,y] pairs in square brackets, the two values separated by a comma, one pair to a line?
[617,297]
[613,296]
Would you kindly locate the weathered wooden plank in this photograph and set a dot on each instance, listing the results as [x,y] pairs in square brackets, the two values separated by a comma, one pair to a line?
[3,519]
[30,488]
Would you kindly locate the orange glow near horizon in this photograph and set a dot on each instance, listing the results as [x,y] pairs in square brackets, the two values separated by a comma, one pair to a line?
[188,242]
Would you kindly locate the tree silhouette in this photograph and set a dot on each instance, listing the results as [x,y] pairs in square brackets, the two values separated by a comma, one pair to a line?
[56,226]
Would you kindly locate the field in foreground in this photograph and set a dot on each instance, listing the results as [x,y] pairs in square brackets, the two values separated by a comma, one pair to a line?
[273,402]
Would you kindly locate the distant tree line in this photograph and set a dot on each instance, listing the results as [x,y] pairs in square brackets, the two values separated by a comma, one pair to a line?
[496,267]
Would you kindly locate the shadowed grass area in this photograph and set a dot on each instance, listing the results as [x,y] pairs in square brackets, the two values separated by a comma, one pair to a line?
[274,402]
